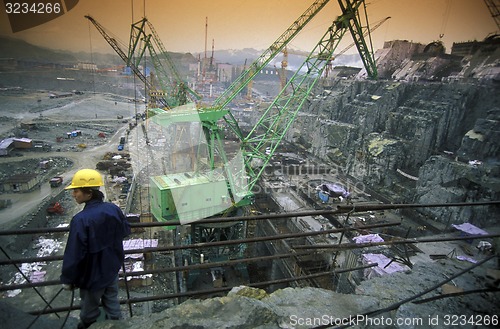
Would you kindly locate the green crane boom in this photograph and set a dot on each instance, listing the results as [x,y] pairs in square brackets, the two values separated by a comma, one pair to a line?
[176,90]
[365,49]
[116,47]
[246,76]
[160,101]
[272,126]
[494,8]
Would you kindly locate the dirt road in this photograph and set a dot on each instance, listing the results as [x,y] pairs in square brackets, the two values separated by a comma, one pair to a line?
[72,114]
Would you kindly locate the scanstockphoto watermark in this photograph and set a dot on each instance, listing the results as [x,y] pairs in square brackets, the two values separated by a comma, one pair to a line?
[358,320]
[437,320]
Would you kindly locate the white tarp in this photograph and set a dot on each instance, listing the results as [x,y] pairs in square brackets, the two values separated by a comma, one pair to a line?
[381,268]
[139,244]
[135,262]
[33,271]
[368,238]
[470,229]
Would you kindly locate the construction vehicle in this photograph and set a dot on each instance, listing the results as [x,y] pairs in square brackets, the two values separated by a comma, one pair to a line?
[55,208]
[56,181]
[224,181]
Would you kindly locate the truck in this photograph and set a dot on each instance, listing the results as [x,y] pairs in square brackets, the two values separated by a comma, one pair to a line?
[56,181]
[122,143]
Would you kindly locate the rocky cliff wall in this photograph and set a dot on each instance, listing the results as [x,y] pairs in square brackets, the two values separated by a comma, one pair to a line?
[410,141]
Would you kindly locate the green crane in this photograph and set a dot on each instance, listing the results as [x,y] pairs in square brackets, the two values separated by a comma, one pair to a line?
[494,8]
[173,91]
[365,48]
[219,105]
[118,49]
[231,177]
[144,37]
[210,118]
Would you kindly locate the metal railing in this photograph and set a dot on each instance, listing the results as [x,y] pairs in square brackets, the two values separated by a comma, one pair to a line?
[297,250]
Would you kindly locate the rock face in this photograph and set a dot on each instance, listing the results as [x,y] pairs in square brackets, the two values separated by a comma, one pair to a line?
[286,308]
[410,141]
[430,134]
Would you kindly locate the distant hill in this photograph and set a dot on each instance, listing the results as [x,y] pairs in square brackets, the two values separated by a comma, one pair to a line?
[22,50]
[99,58]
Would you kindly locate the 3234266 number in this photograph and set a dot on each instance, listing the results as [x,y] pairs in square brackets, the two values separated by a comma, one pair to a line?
[32,8]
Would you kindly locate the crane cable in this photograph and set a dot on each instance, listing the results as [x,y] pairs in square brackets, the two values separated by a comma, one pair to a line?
[91,68]
[445,18]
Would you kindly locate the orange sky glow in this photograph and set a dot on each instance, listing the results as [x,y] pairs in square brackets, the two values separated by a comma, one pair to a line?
[237,24]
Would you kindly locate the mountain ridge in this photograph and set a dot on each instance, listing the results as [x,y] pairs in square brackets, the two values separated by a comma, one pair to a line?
[22,50]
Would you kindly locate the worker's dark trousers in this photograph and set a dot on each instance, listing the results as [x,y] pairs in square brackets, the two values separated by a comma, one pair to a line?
[90,304]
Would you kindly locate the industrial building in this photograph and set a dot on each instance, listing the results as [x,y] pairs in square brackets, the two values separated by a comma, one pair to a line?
[20,183]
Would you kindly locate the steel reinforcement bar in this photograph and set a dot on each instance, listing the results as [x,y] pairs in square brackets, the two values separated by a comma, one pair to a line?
[211,291]
[340,209]
[210,244]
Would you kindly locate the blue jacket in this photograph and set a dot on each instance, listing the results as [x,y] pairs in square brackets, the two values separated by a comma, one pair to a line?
[94,250]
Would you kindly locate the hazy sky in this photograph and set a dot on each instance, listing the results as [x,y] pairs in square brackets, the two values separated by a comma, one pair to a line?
[236,24]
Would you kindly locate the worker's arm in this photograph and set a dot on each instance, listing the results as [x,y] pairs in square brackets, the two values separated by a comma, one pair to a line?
[75,254]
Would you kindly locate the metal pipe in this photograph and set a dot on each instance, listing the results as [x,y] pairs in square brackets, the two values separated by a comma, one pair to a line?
[38,314]
[409,299]
[375,207]
[222,264]
[266,283]
[216,290]
[393,242]
[126,288]
[28,280]
[456,294]
[169,269]
[212,244]
[344,224]
[341,209]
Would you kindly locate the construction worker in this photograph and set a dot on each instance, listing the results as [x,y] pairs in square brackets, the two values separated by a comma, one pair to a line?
[94,251]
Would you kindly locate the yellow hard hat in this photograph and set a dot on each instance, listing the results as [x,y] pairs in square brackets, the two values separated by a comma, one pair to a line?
[86,178]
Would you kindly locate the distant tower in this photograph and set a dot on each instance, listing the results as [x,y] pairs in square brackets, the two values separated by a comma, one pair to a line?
[204,62]
[206,36]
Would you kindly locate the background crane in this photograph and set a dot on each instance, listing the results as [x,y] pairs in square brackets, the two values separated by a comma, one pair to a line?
[144,37]
[172,90]
[286,51]
[494,8]
[116,47]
